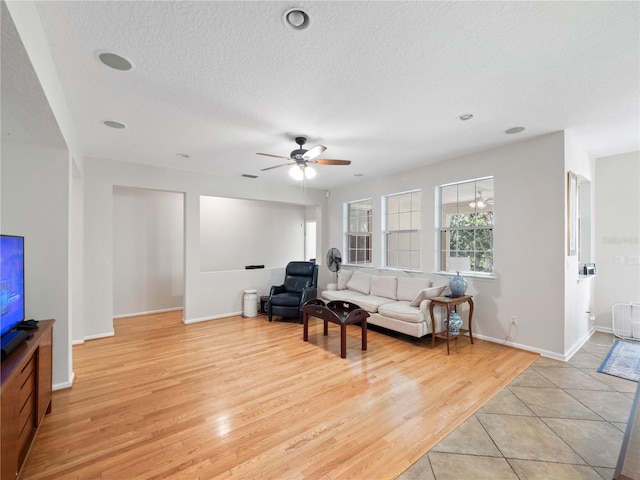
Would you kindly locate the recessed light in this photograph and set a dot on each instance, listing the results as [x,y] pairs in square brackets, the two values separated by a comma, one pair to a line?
[513,130]
[296,18]
[466,116]
[115,61]
[112,124]
[183,155]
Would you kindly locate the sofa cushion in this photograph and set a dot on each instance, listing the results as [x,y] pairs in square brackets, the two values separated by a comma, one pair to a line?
[384,287]
[343,277]
[360,282]
[427,293]
[339,294]
[401,310]
[409,288]
[370,303]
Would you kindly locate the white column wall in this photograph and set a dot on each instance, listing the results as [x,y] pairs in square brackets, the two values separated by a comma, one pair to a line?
[35,204]
[578,294]
[617,234]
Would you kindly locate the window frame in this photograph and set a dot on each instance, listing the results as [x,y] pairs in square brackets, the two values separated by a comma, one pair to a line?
[444,233]
[364,235]
[414,234]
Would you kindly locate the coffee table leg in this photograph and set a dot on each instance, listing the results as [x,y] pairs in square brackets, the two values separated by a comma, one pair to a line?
[326,327]
[343,341]
[364,334]
[305,327]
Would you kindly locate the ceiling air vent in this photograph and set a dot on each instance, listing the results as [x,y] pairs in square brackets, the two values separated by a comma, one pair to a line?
[248,175]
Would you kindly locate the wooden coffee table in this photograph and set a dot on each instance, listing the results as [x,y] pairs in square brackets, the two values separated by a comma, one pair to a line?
[339,312]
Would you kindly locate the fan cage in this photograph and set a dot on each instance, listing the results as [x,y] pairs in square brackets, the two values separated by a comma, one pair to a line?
[626,320]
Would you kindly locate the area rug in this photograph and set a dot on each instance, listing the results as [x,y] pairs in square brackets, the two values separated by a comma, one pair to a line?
[623,360]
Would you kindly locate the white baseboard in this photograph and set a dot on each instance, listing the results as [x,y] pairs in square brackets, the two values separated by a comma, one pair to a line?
[63,385]
[99,335]
[215,317]
[150,312]
[544,353]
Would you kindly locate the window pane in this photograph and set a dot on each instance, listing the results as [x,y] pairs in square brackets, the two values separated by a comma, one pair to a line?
[415,220]
[404,221]
[402,240]
[404,203]
[392,241]
[415,241]
[404,260]
[415,201]
[465,241]
[392,204]
[392,221]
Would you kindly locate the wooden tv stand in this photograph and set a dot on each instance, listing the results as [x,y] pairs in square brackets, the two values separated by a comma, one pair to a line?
[26,378]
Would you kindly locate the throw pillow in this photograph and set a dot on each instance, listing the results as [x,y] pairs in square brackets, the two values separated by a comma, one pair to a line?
[343,277]
[409,287]
[384,286]
[360,282]
[428,293]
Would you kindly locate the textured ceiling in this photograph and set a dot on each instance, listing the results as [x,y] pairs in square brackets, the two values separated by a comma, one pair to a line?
[379,83]
[26,116]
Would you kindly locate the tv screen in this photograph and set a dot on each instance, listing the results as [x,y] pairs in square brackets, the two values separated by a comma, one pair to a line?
[11,281]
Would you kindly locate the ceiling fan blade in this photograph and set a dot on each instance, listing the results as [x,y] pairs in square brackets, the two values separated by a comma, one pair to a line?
[277,166]
[274,156]
[329,161]
[314,152]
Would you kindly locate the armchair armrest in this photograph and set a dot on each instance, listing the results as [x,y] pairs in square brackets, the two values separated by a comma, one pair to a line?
[276,289]
[308,293]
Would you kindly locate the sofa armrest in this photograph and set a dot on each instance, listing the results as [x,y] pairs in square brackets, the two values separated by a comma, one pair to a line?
[437,313]
[332,287]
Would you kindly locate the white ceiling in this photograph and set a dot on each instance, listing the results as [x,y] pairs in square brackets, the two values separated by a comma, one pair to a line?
[379,83]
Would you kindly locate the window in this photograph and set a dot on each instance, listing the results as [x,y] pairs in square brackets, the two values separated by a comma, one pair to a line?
[402,231]
[466,226]
[359,232]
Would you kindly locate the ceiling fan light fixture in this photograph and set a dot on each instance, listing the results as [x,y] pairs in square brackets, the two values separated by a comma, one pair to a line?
[299,172]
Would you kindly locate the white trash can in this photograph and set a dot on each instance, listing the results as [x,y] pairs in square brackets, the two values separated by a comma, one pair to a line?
[250,303]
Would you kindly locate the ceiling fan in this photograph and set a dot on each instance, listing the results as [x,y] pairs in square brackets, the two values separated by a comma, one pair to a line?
[302,157]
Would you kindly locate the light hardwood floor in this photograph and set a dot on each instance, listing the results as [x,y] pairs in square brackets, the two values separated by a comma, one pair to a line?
[245,398]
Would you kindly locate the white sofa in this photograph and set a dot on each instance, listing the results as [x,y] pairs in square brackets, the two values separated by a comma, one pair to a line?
[397,303]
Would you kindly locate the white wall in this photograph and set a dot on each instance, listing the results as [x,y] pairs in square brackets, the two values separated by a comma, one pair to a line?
[236,232]
[206,295]
[617,233]
[148,251]
[578,293]
[529,235]
[35,204]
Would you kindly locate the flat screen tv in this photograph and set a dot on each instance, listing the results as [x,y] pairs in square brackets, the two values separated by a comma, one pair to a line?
[11,281]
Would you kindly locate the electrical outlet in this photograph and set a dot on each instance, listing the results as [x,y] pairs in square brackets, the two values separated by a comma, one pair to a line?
[514,321]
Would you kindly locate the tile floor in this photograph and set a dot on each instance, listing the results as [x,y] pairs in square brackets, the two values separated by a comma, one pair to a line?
[557,420]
